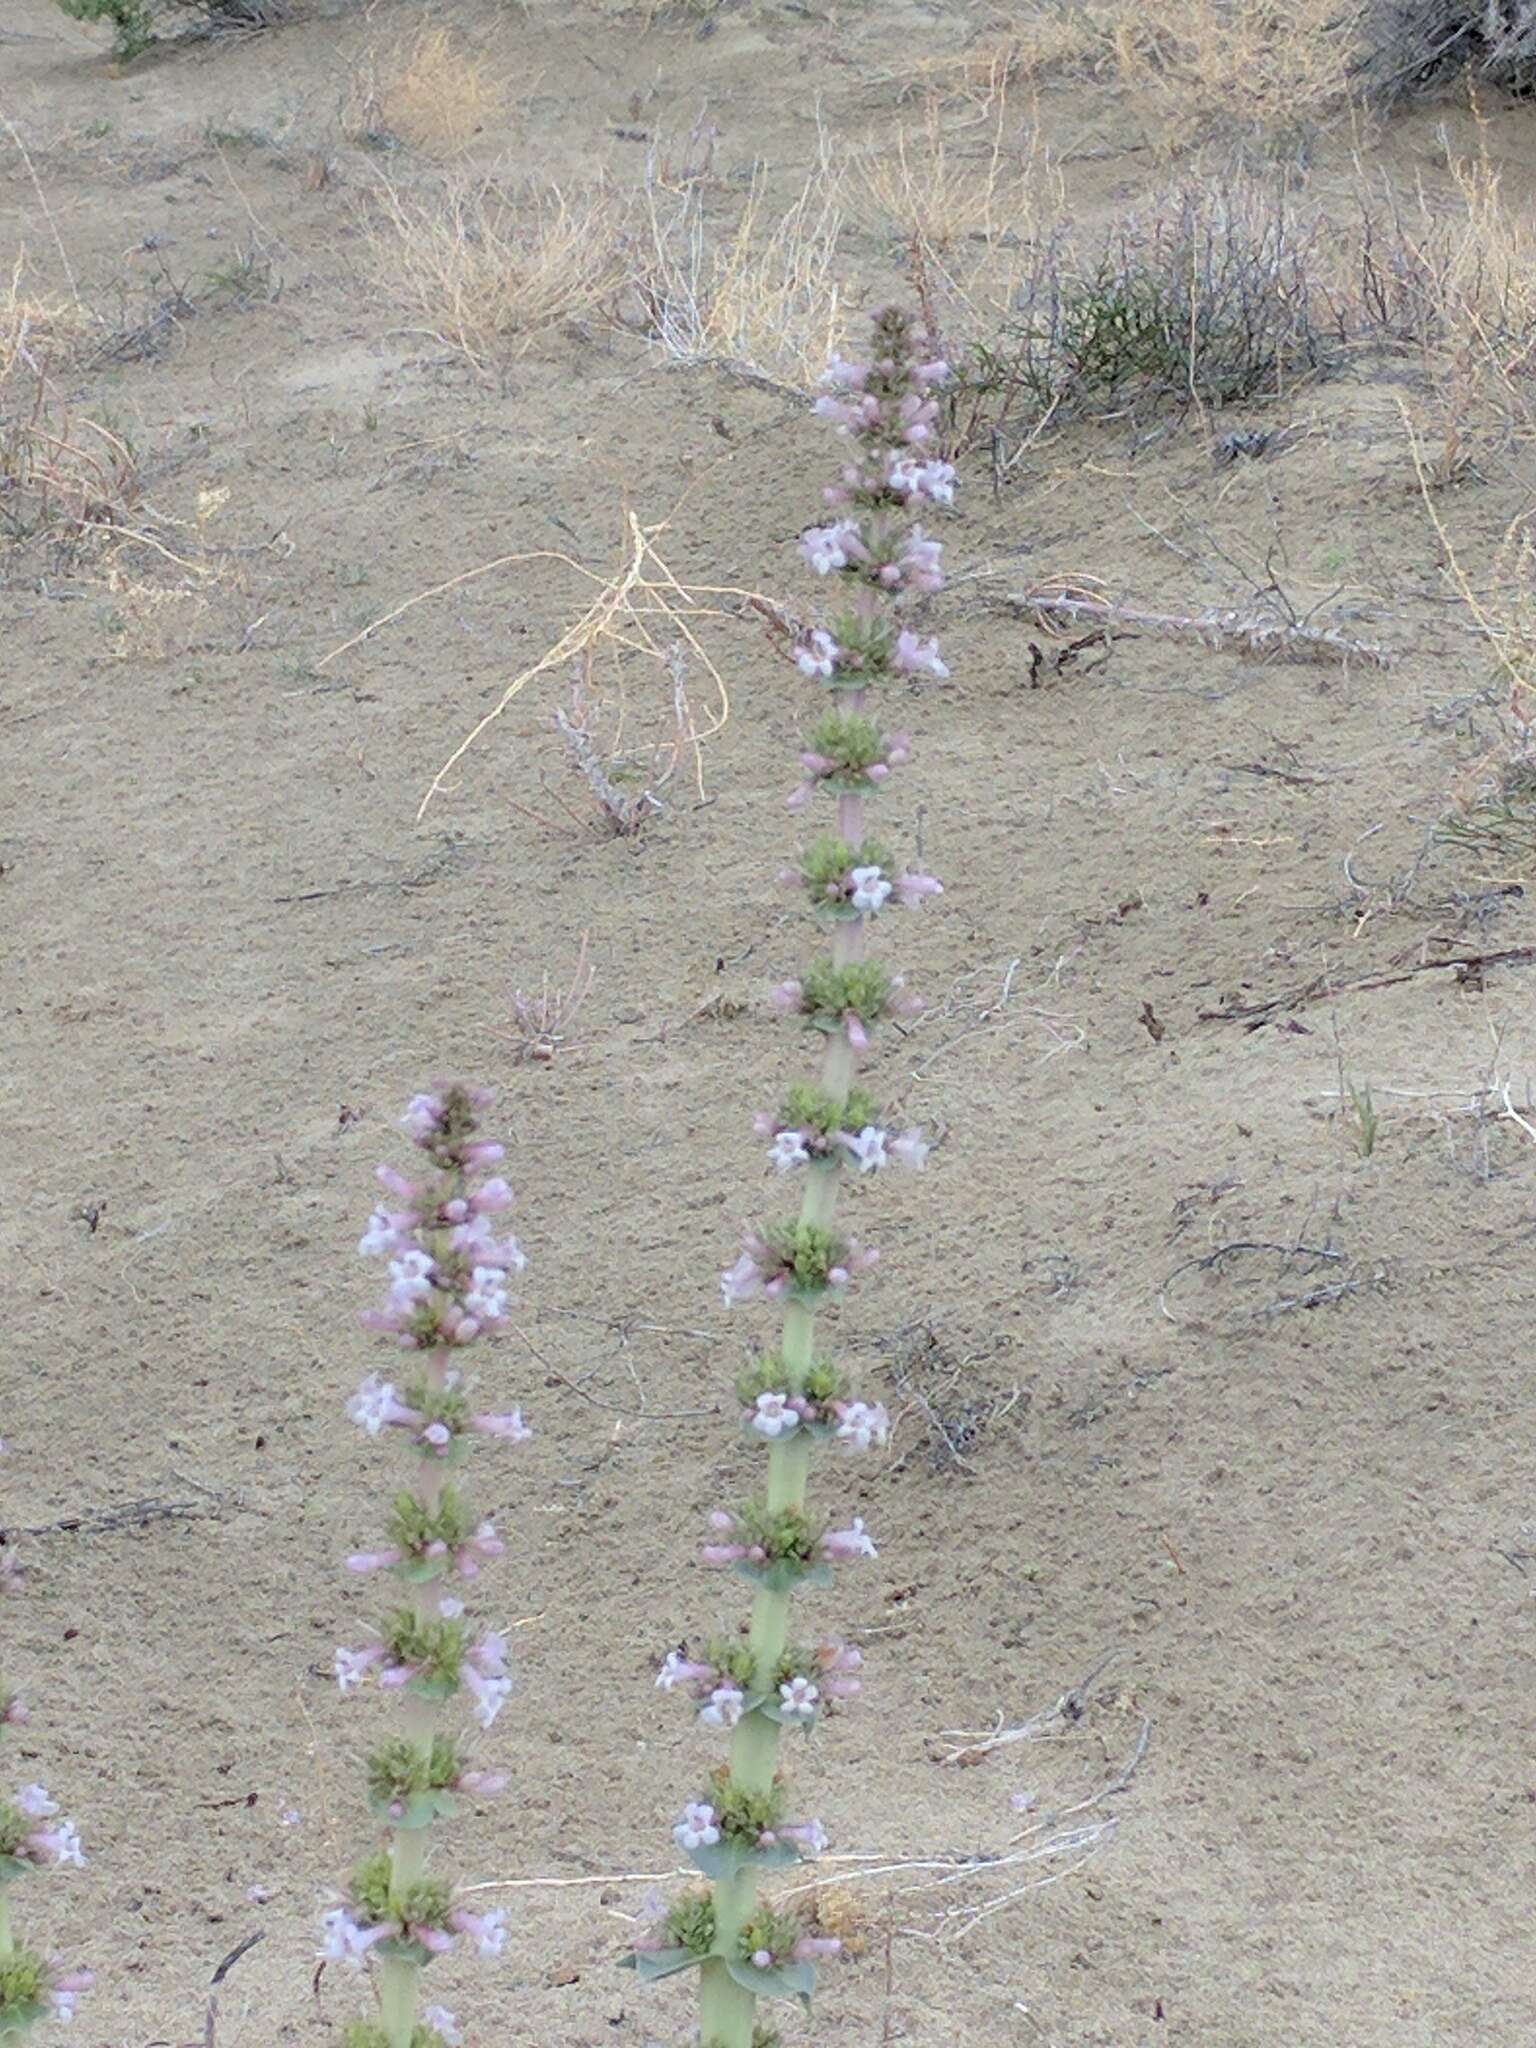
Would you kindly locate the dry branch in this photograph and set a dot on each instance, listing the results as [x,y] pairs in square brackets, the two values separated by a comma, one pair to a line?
[1068,607]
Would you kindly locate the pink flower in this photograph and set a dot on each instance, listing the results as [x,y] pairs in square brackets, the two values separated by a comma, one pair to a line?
[811,1946]
[841,375]
[741,1282]
[483,1672]
[443,2024]
[862,1425]
[512,1426]
[809,1836]
[486,1930]
[917,657]
[679,1670]
[853,1024]
[373,1560]
[786,997]
[64,1990]
[423,1117]
[348,1939]
[865,1148]
[910,1147]
[912,889]
[838,1545]
[352,1666]
[481,1547]
[697,1829]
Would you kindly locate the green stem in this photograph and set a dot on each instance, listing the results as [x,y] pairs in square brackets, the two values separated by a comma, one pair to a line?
[7,1943]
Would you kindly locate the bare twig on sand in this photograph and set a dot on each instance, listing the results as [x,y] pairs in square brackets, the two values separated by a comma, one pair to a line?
[1072,606]
[542,1021]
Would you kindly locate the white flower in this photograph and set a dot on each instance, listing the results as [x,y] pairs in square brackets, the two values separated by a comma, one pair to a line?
[772,1416]
[491,1694]
[370,1406]
[450,1607]
[33,1801]
[487,1295]
[817,654]
[788,1149]
[443,2024]
[870,889]
[866,1148]
[64,1841]
[673,1672]
[826,547]
[863,1425]
[696,1829]
[490,1932]
[63,2003]
[343,1941]
[797,1699]
[380,1236]
[411,1276]
[723,1707]
[351,1667]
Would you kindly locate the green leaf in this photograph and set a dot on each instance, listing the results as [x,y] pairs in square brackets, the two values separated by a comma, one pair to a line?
[403,1951]
[784,1980]
[18,2019]
[12,1867]
[433,1688]
[419,1811]
[724,1858]
[784,1575]
[416,1571]
[651,1965]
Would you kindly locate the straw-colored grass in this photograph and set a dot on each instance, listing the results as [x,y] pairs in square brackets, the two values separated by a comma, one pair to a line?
[486,265]
[432,90]
[763,296]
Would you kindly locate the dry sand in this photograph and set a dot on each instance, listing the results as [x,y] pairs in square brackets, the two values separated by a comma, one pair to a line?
[1289,1496]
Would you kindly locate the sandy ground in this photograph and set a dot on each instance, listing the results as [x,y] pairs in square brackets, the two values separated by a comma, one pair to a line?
[1284,1493]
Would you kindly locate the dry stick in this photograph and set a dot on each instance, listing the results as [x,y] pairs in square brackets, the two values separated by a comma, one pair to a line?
[1072,606]
[1323,986]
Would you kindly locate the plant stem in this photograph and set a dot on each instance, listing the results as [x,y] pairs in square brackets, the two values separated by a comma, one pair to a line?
[726,2008]
[7,1944]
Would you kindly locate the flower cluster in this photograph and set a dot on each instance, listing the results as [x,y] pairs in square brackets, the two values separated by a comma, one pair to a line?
[796,1260]
[449,1264]
[846,881]
[418,1921]
[847,754]
[881,564]
[802,1684]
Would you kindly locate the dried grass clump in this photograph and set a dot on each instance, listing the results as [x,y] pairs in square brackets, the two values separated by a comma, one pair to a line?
[1198,69]
[1413,46]
[432,90]
[485,265]
[762,297]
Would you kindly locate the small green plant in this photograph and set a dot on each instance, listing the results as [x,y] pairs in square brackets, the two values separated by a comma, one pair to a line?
[131,22]
[1367,1118]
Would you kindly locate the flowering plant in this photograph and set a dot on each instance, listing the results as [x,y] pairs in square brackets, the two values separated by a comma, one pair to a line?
[448,1269]
[759,1686]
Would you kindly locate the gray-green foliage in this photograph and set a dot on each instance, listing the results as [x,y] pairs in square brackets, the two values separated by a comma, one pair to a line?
[135,23]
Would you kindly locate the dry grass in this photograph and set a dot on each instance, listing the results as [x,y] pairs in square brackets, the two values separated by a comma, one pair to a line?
[764,296]
[432,90]
[486,265]
[1269,69]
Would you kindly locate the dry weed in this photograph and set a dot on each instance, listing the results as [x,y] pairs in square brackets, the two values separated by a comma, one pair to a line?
[432,90]
[484,265]
[1268,69]
[764,297]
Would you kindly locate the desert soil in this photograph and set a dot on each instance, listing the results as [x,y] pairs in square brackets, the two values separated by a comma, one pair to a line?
[1270,1507]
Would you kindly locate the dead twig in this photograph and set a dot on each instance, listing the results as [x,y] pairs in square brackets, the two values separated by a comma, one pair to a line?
[1070,606]
[1469,968]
